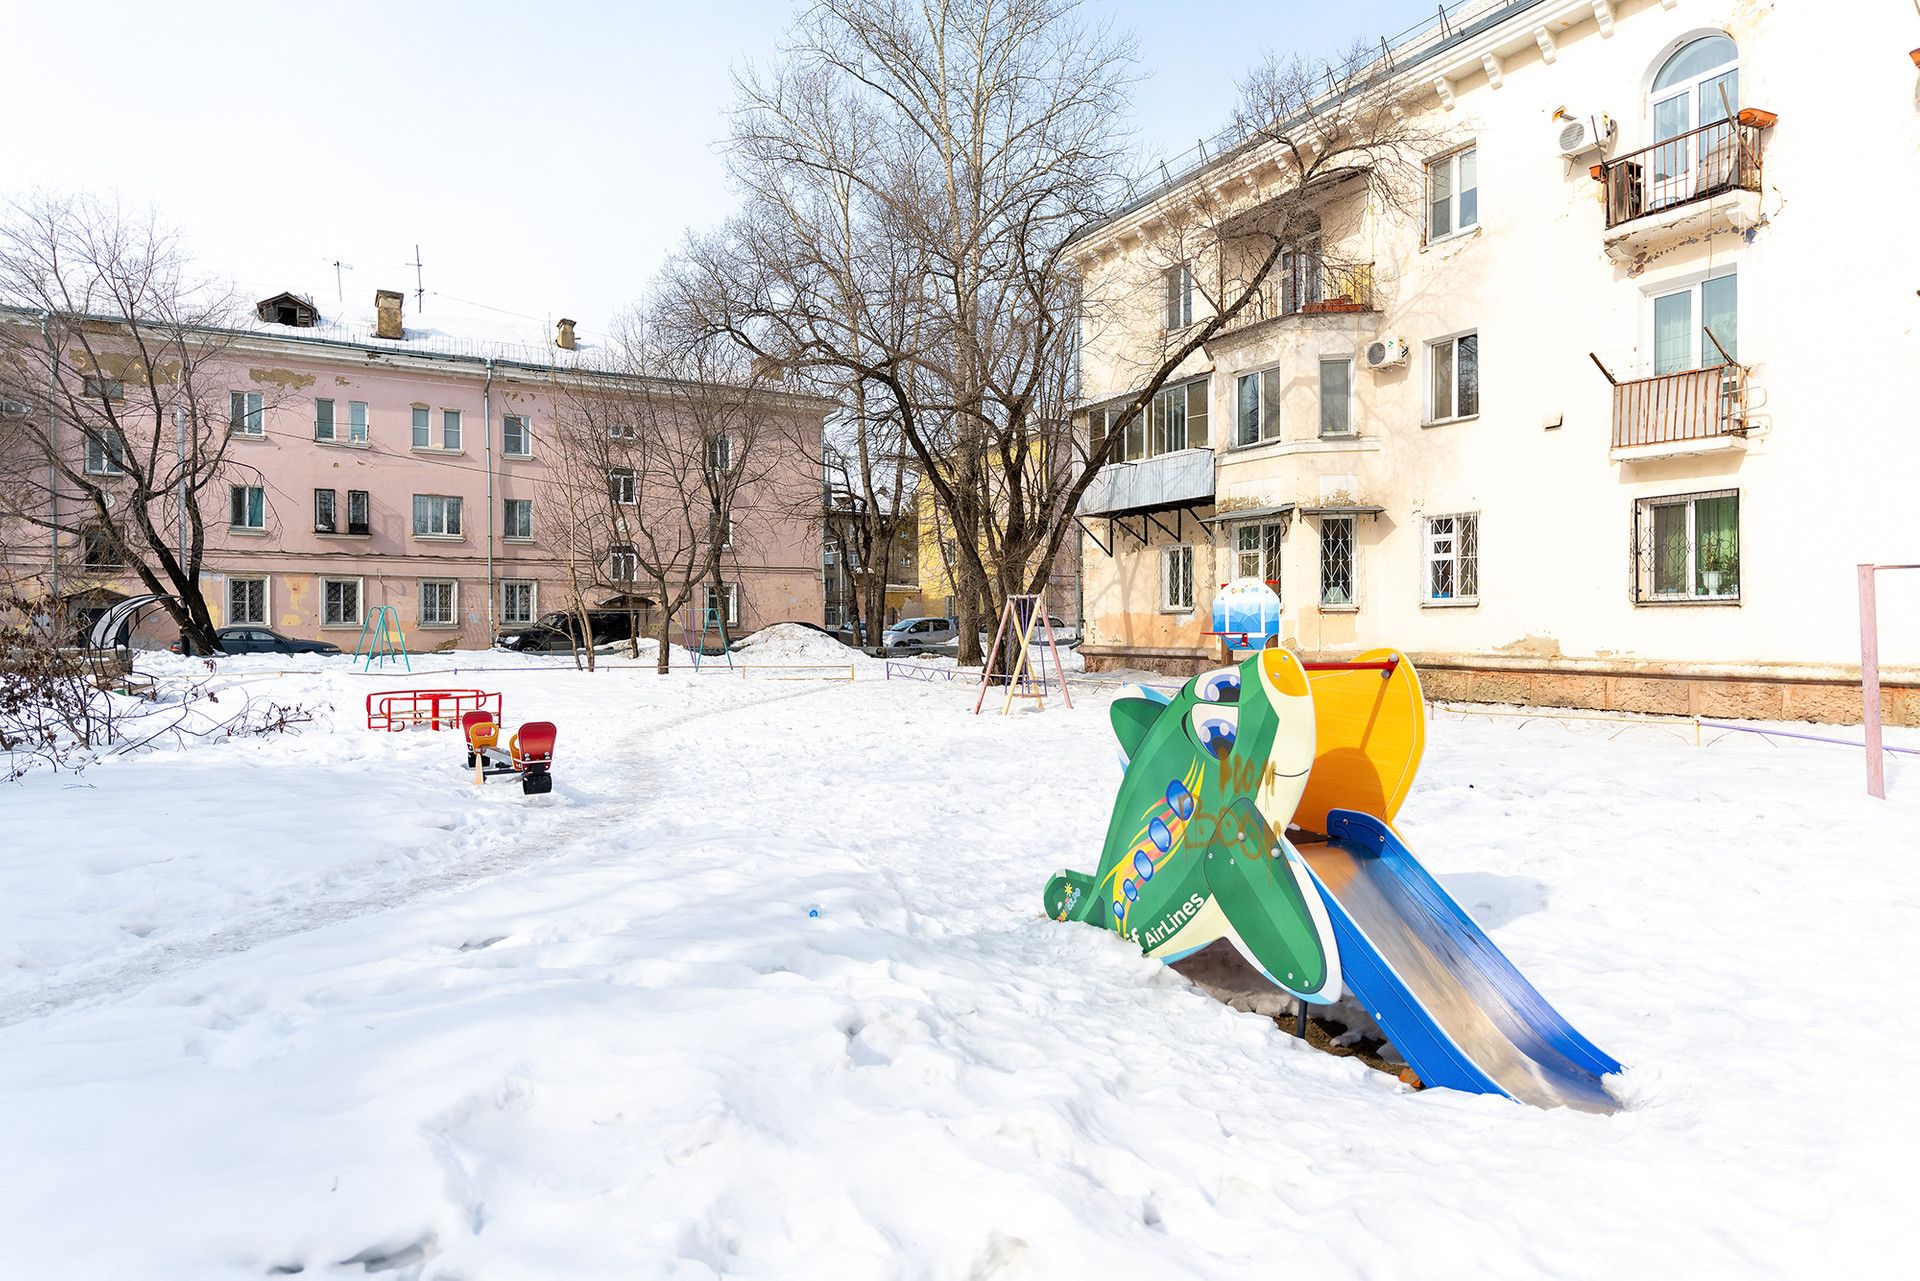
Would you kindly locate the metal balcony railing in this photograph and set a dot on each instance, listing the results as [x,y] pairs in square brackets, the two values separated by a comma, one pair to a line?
[1695,404]
[1696,165]
[1305,287]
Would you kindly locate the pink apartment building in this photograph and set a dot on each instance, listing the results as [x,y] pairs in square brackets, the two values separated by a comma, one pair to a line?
[413,467]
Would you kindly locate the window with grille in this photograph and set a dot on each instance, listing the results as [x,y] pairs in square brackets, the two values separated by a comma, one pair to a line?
[622,485]
[1453,559]
[1176,579]
[246,413]
[1336,561]
[1687,548]
[1453,378]
[323,511]
[1257,552]
[106,453]
[519,518]
[323,420]
[247,601]
[247,507]
[1336,397]
[340,602]
[1257,409]
[359,511]
[436,516]
[516,439]
[519,600]
[437,602]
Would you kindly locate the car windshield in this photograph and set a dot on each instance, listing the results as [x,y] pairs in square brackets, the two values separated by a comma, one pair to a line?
[555,619]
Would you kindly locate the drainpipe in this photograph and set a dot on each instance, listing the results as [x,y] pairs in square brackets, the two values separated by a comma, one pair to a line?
[486,414]
[53,466]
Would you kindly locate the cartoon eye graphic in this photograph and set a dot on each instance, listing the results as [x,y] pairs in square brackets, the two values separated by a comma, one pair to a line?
[1219,686]
[1161,837]
[1215,729]
[1143,865]
[1180,800]
[1133,891]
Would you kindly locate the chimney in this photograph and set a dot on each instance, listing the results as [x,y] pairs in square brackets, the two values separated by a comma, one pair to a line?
[386,314]
[563,337]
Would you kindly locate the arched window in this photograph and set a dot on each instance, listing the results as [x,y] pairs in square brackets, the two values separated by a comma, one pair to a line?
[1695,90]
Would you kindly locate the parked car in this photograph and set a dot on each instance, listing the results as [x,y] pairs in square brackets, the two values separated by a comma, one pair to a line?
[559,630]
[264,640]
[920,633]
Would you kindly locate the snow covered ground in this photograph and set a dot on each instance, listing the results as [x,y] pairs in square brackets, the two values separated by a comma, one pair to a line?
[763,990]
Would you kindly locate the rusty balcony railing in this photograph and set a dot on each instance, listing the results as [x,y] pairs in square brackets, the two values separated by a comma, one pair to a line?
[1300,286]
[1696,165]
[1694,404]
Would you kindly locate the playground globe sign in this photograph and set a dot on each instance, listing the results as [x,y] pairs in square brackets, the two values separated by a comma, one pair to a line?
[1246,615]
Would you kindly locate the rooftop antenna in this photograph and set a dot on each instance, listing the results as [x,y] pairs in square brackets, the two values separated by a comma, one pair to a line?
[338,287]
[419,281]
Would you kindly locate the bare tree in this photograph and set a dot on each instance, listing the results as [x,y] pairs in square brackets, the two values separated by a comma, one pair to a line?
[916,179]
[112,355]
[667,447]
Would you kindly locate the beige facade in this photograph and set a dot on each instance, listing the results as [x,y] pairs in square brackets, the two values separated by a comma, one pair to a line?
[1687,417]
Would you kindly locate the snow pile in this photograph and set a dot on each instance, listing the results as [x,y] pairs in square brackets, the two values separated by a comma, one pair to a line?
[792,643]
[764,989]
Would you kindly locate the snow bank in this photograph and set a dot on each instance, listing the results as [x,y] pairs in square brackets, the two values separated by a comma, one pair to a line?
[792,643]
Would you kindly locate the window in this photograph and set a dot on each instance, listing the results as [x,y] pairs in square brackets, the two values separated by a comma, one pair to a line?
[106,453]
[358,514]
[724,527]
[422,427]
[622,485]
[1257,417]
[323,511]
[99,550]
[323,420]
[357,422]
[247,507]
[1336,396]
[1453,378]
[1302,274]
[1695,88]
[1176,580]
[1453,559]
[710,605]
[516,441]
[519,519]
[102,388]
[340,602]
[720,453]
[623,566]
[246,601]
[246,414]
[1175,419]
[437,602]
[519,600]
[1680,342]
[436,516]
[1453,194]
[1178,285]
[1257,550]
[620,429]
[449,429]
[1336,562]
[1688,547]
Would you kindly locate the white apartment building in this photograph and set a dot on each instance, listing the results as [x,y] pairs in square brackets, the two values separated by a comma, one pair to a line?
[1605,418]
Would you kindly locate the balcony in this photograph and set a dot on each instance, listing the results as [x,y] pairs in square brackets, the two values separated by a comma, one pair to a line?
[1679,186]
[1303,288]
[1691,412]
[1180,479]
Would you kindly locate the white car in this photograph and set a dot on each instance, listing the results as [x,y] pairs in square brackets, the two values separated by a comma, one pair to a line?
[921,633]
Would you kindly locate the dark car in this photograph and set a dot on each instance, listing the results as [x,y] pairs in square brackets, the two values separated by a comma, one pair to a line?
[264,640]
[560,630]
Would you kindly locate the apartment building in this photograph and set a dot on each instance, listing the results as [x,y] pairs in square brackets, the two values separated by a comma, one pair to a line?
[379,461]
[1605,415]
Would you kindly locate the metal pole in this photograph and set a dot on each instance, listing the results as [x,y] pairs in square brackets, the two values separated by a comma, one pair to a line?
[486,414]
[53,469]
[1870,685]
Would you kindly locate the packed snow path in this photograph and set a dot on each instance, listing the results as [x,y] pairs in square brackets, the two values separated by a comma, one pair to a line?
[318,1003]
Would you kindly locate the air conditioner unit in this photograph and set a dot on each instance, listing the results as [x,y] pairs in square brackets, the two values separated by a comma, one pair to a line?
[1385,353]
[1578,137]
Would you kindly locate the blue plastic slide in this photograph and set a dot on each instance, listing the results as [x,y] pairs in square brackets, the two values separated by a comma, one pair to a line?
[1448,1000]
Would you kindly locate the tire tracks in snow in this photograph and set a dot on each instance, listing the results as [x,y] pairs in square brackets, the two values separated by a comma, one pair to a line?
[162,960]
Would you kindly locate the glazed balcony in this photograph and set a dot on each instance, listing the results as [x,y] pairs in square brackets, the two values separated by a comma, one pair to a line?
[1677,186]
[1693,411]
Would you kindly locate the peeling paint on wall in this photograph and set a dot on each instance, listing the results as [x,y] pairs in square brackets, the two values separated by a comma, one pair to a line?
[284,379]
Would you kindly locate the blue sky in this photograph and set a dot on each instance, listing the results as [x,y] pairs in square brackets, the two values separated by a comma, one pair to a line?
[546,158]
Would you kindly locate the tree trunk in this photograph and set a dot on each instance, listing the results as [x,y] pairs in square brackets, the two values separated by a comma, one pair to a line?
[663,636]
[966,595]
